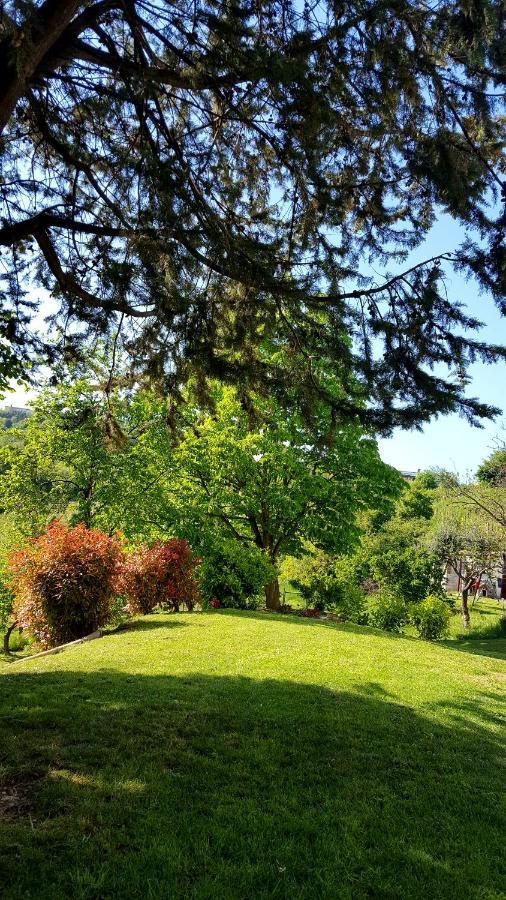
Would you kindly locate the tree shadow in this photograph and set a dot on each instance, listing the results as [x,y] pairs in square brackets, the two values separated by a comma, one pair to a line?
[492,647]
[226,787]
[147,623]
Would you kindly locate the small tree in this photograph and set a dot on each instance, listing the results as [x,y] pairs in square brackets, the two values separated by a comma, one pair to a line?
[394,554]
[471,551]
[160,575]
[63,582]
[470,533]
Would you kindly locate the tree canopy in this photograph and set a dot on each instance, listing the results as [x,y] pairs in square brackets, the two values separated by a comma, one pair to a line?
[492,470]
[260,478]
[226,178]
[394,553]
[59,461]
[269,484]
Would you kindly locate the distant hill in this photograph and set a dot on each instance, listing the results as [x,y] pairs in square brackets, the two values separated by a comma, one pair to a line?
[10,416]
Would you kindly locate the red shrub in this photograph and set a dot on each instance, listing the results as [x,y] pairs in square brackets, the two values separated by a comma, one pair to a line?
[63,582]
[161,575]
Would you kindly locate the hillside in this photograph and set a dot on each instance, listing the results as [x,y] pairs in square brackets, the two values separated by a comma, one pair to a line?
[12,416]
[231,755]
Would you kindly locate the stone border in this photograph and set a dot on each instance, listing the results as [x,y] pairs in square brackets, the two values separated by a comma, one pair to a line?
[60,648]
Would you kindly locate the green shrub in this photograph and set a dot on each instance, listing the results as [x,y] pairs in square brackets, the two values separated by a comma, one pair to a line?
[431,618]
[333,594]
[388,611]
[234,575]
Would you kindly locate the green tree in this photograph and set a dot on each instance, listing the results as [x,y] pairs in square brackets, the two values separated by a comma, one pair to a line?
[273,483]
[395,555]
[470,520]
[417,502]
[492,471]
[218,174]
[61,462]
[471,550]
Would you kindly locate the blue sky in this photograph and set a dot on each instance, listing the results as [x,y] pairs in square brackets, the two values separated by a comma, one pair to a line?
[450,442]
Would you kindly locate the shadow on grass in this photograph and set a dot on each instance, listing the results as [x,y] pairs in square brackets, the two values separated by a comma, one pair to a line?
[121,785]
[147,623]
[492,647]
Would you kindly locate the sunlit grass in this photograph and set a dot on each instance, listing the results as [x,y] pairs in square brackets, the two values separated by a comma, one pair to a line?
[234,755]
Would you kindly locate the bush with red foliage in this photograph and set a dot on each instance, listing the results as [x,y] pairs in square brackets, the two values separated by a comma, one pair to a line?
[63,582]
[160,575]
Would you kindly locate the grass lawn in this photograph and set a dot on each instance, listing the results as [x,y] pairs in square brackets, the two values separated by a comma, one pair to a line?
[244,755]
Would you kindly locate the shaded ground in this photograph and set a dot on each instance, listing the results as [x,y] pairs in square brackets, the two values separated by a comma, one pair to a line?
[242,756]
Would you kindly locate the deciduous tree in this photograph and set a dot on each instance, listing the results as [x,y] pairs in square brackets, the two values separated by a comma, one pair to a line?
[270,482]
[61,461]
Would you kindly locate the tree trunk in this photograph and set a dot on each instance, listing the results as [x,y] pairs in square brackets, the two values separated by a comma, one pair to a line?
[23,52]
[272,594]
[464,607]
[7,637]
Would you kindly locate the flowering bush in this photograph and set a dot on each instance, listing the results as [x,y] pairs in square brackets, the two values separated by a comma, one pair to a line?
[160,575]
[63,582]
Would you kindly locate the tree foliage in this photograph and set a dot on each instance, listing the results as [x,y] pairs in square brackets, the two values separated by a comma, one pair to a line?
[492,471]
[270,482]
[61,462]
[63,582]
[160,575]
[396,555]
[223,178]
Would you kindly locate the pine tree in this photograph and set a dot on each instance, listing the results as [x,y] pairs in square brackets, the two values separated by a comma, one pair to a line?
[224,176]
